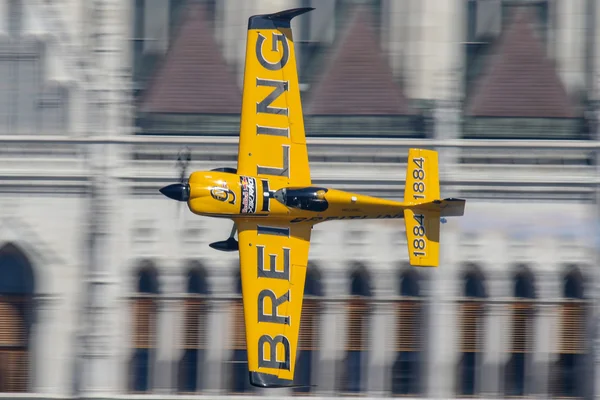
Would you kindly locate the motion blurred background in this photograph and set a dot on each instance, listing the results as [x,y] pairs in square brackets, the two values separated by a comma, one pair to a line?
[109,289]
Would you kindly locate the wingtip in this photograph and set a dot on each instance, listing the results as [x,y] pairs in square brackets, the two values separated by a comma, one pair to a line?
[260,379]
[281,19]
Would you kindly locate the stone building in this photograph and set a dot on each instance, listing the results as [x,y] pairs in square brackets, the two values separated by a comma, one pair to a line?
[108,289]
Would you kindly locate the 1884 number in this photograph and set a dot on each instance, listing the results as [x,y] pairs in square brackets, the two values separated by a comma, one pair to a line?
[419,177]
[418,243]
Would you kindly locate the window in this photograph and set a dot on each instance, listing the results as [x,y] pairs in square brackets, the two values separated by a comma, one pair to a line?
[145,312]
[358,308]
[406,376]
[191,365]
[16,311]
[522,335]
[569,377]
[308,341]
[471,320]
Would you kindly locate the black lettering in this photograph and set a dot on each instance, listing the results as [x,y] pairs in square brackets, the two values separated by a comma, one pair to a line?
[419,244]
[419,162]
[277,37]
[264,106]
[299,219]
[272,362]
[275,303]
[419,218]
[270,131]
[272,272]
[272,230]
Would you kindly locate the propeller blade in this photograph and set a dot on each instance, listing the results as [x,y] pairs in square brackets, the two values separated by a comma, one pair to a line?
[183,159]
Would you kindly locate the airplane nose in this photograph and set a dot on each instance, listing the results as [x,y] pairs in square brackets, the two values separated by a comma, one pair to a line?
[177,191]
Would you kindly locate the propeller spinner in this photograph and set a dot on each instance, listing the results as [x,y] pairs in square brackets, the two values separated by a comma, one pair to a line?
[180,191]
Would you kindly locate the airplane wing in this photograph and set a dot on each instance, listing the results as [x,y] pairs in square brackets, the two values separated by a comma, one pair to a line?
[273,262]
[272,138]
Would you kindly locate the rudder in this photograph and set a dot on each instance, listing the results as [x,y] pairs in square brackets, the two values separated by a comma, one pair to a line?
[423,237]
[422,176]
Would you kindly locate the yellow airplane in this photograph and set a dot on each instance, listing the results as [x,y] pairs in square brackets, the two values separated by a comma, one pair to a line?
[274,205]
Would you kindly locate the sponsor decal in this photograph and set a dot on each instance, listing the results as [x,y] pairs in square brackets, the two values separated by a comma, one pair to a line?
[223,193]
[248,193]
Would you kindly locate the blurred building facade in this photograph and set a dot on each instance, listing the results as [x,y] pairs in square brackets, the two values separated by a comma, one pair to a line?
[108,289]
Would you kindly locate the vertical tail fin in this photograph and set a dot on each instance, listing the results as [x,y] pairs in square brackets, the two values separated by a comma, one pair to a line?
[422,224]
[423,237]
[422,176]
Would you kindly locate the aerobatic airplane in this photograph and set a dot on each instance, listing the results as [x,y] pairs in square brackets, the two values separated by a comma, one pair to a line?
[274,205]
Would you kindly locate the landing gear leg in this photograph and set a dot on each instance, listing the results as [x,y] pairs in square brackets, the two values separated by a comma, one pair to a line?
[227,245]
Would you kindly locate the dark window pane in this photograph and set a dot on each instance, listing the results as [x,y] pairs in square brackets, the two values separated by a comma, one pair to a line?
[303,371]
[405,373]
[468,374]
[141,370]
[353,365]
[188,371]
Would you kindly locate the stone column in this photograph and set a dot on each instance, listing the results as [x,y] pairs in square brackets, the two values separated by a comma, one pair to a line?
[219,330]
[380,332]
[103,116]
[595,318]
[490,378]
[41,357]
[443,331]
[333,332]
[169,352]
[546,329]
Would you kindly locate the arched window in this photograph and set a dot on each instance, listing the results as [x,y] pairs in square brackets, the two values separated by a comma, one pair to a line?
[357,331]
[16,317]
[145,312]
[308,342]
[570,372]
[240,382]
[521,335]
[191,365]
[471,319]
[408,310]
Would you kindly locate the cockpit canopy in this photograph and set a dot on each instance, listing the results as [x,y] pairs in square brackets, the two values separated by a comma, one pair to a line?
[307,198]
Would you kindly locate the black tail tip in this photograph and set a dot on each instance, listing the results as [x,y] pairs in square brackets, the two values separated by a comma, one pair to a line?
[270,381]
[281,19]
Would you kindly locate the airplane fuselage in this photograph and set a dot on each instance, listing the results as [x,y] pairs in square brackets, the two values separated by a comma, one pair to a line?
[229,195]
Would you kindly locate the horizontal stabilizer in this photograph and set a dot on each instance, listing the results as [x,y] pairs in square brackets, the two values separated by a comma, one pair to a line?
[452,207]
